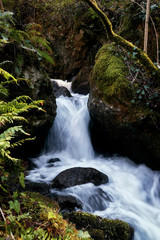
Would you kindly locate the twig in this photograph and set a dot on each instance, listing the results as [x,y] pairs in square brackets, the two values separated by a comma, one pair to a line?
[135,77]
[155,30]
[42,225]
[5,221]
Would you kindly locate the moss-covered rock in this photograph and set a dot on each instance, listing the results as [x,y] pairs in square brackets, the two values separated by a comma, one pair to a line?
[101,228]
[110,75]
[119,126]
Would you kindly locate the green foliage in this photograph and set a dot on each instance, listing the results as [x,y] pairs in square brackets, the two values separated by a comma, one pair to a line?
[15,206]
[33,216]
[29,39]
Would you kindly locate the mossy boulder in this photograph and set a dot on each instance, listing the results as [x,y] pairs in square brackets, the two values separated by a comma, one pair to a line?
[118,126]
[101,228]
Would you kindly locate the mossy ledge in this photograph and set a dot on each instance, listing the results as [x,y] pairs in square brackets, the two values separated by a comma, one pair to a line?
[101,228]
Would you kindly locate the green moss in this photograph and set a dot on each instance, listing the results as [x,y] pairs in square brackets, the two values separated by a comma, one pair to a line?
[101,227]
[110,75]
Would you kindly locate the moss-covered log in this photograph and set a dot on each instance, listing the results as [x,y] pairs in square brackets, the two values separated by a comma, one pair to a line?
[138,53]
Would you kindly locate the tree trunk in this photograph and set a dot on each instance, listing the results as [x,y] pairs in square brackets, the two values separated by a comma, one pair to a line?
[146,27]
[141,56]
[1,4]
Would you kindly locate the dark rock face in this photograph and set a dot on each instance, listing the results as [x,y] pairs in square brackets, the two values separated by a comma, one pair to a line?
[78,175]
[60,91]
[68,203]
[113,132]
[39,122]
[101,228]
[80,84]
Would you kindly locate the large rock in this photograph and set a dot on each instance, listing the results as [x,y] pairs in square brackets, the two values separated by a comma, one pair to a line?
[118,126]
[78,175]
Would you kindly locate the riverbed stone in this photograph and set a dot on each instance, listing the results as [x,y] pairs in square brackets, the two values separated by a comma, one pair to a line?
[79,175]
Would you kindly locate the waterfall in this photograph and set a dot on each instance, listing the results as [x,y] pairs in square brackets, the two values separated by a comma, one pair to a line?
[133,190]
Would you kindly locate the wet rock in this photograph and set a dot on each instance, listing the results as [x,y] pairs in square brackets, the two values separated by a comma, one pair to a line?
[78,175]
[54,160]
[80,83]
[68,203]
[99,201]
[41,187]
[60,91]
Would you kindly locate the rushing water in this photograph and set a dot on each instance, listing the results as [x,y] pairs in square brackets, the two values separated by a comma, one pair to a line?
[134,190]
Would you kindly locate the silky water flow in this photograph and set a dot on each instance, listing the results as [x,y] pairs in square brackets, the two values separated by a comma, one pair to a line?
[134,190]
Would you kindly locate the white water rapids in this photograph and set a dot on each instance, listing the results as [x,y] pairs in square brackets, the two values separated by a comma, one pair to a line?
[134,190]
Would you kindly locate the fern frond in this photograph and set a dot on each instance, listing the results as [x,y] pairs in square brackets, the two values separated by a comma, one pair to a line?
[5,141]
[45,55]
[7,75]
[19,143]
[3,90]
[10,133]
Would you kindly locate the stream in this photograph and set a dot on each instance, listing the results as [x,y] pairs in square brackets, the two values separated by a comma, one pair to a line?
[134,190]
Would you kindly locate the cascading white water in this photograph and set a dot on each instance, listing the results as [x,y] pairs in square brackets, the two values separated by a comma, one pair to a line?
[134,190]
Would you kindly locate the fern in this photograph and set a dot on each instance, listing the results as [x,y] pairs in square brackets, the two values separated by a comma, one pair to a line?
[5,141]
[11,112]
[7,75]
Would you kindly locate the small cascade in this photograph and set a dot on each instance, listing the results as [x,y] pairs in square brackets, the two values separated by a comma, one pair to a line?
[133,191]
